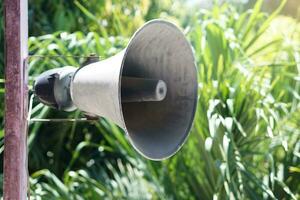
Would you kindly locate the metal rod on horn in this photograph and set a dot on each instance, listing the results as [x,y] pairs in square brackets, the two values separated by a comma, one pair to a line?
[142,89]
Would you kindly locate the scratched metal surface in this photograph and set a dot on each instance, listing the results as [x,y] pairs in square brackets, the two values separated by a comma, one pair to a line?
[15,152]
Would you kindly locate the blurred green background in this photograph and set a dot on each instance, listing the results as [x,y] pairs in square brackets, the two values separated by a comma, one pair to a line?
[245,140]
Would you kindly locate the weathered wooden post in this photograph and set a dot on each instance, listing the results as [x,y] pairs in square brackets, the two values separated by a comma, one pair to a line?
[16,49]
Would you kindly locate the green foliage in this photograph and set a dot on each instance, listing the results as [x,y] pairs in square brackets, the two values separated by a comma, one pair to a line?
[245,140]
[114,17]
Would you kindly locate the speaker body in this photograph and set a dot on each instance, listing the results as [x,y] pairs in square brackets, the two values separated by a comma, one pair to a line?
[95,89]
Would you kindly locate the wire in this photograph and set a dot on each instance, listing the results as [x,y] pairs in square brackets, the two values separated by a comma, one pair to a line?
[55,120]
[62,56]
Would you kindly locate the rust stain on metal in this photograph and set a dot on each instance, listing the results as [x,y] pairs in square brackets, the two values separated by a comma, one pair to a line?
[16,94]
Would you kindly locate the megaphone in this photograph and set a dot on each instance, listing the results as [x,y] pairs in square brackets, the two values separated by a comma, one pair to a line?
[149,89]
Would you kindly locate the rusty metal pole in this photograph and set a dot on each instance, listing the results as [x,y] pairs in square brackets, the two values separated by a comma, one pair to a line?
[16,93]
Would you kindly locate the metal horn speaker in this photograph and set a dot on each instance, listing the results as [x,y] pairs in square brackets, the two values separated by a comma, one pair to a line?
[149,89]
